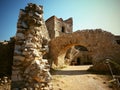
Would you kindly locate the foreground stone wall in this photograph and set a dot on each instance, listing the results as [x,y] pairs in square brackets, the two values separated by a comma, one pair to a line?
[100,45]
[30,70]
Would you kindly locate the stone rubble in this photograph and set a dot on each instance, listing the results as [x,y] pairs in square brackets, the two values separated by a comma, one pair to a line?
[30,71]
[5,83]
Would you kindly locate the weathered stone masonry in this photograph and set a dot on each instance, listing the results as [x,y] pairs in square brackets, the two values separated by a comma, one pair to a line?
[30,70]
[100,45]
[58,26]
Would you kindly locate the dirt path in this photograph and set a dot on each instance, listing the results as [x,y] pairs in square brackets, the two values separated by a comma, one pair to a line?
[77,78]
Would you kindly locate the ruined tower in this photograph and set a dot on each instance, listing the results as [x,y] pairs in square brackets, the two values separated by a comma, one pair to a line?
[30,70]
[58,26]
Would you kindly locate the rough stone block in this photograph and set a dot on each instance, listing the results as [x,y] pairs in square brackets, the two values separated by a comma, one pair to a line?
[21,58]
[20,35]
[14,78]
[17,52]
[30,45]
[36,53]
[24,25]
[17,47]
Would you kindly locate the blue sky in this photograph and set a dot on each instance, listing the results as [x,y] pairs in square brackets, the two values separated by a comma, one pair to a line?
[86,14]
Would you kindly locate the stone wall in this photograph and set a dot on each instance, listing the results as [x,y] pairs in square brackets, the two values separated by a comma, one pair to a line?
[100,44]
[117,38]
[30,70]
[50,26]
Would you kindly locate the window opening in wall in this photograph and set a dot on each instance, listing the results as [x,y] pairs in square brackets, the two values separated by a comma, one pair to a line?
[63,29]
[118,41]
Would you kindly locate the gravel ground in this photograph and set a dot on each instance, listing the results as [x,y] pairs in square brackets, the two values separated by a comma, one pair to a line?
[78,78]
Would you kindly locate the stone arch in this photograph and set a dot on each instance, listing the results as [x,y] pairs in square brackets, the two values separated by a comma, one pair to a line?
[100,44]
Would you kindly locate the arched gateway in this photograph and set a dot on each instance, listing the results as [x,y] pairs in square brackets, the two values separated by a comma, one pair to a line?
[100,45]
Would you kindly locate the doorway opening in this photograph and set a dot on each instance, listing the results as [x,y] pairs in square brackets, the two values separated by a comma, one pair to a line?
[78,61]
[63,29]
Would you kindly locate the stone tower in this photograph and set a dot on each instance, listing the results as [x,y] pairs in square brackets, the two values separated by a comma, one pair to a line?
[30,71]
[58,26]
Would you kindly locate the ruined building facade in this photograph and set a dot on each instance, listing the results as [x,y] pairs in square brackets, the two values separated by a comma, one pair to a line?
[76,54]
[58,26]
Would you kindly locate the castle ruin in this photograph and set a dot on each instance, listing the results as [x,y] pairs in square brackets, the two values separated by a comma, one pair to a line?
[58,26]
[38,44]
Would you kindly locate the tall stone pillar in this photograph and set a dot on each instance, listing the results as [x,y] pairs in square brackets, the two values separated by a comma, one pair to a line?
[30,71]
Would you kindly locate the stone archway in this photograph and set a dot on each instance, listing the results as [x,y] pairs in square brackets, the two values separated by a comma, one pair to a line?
[100,44]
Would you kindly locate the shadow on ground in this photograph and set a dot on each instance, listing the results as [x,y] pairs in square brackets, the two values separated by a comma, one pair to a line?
[69,72]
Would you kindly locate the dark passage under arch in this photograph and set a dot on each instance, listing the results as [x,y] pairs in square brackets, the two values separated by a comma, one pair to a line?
[78,61]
